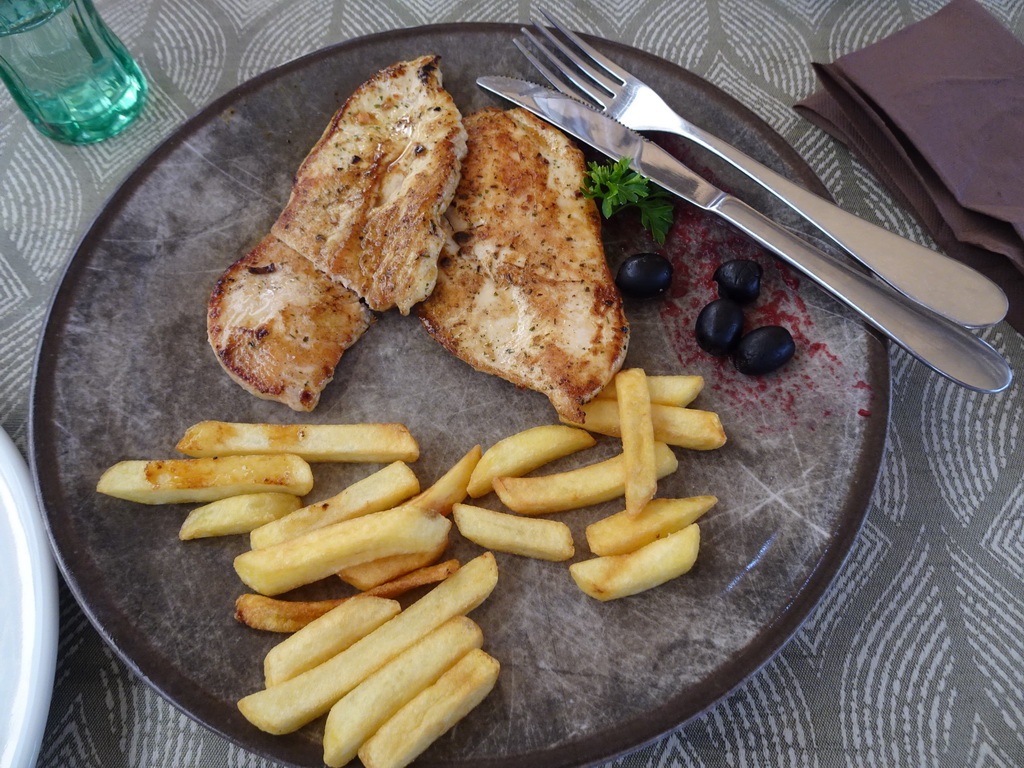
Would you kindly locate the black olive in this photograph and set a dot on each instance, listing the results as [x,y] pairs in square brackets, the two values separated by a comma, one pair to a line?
[739,280]
[719,326]
[764,350]
[644,275]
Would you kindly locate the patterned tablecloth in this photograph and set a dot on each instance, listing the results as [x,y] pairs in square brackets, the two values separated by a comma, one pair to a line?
[913,658]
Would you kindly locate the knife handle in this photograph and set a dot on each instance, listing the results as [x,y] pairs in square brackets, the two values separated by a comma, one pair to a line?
[943,284]
[944,346]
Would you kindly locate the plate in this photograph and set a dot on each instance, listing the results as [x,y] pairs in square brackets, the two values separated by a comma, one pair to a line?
[28,603]
[124,368]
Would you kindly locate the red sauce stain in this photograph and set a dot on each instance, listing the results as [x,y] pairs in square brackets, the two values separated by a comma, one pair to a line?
[697,244]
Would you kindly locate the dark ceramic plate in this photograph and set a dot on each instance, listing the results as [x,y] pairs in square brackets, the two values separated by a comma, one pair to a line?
[124,368]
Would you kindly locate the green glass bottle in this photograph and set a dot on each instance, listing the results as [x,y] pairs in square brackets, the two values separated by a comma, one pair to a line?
[67,71]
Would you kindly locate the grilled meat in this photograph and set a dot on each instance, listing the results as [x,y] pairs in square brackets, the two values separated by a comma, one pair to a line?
[528,295]
[279,326]
[368,202]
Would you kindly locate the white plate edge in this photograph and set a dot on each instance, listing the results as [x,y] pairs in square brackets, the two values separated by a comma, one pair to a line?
[21,730]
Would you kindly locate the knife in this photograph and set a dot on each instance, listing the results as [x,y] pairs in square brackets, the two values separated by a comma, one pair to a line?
[943,346]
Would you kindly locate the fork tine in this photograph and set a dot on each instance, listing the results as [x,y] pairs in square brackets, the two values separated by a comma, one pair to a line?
[609,66]
[544,69]
[589,71]
[582,85]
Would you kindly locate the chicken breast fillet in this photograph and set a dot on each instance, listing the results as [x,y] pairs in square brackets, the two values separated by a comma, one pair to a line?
[279,326]
[528,295]
[368,202]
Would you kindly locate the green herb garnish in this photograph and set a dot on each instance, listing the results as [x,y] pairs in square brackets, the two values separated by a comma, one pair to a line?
[618,187]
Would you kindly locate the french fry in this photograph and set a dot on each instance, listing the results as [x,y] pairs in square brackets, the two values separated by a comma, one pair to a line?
[360,712]
[634,407]
[325,551]
[313,442]
[664,390]
[286,707]
[368,575]
[327,636]
[682,427]
[621,533]
[407,581]
[592,484]
[451,487]
[382,490]
[418,724]
[237,514]
[273,615]
[526,536]
[615,576]
[524,452]
[177,481]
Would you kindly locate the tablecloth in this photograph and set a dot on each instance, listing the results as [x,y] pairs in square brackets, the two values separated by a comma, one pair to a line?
[913,657]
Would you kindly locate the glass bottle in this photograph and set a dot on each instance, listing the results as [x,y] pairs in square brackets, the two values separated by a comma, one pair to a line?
[67,71]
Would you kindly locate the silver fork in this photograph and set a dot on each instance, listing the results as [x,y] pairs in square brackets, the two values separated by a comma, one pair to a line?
[934,280]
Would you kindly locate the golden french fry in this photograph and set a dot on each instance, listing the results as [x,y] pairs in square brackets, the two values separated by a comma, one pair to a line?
[417,725]
[664,390]
[426,575]
[288,706]
[592,484]
[615,576]
[237,514]
[361,711]
[526,536]
[621,533]
[682,427]
[325,551]
[313,442]
[634,406]
[450,488]
[177,481]
[524,452]
[327,636]
[375,572]
[382,490]
[272,615]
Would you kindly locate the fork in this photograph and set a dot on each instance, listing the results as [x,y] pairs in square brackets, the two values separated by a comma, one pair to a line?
[934,280]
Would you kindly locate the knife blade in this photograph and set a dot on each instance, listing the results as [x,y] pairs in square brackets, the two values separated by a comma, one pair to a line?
[943,346]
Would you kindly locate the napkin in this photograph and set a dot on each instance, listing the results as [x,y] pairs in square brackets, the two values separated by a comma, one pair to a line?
[936,111]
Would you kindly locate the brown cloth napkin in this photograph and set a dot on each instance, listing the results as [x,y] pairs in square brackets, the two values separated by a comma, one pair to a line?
[936,111]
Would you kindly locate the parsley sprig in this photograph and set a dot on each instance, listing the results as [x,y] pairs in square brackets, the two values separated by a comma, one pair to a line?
[617,187]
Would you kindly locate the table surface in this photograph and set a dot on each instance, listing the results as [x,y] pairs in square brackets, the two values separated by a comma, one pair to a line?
[914,655]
